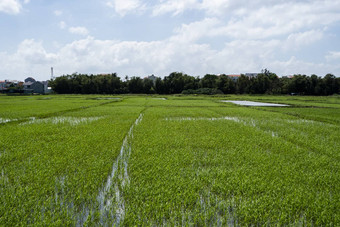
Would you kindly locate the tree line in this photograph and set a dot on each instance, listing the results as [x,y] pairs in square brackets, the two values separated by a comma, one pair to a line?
[265,82]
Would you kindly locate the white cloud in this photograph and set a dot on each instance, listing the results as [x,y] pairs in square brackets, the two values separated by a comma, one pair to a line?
[297,66]
[62,25]
[196,30]
[10,6]
[58,12]
[90,55]
[333,55]
[123,7]
[27,1]
[250,36]
[240,56]
[33,52]
[215,7]
[280,20]
[78,30]
[174,6]
[131,58]
[300,39]
[257,19]
[30,59]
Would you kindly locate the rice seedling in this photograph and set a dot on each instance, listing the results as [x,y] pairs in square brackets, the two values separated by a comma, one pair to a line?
[190,160]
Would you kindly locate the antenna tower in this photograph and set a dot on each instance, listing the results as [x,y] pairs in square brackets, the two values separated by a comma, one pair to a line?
[52,76]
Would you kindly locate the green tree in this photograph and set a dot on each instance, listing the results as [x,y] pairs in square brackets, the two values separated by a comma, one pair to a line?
[159,86]
[299,84]
[331,85]
[226,84]
[209,81]
[61,85]
[135,85]
[175,82]
[243,84]
[148,86]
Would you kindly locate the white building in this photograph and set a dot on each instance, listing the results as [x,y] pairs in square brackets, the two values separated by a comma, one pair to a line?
[251,75]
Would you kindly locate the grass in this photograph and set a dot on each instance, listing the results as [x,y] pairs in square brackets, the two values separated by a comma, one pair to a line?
[187,160]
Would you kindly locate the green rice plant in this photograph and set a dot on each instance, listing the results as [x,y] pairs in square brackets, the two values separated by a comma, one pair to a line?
[169,160]
[53,170]
[204,167]
[16,108]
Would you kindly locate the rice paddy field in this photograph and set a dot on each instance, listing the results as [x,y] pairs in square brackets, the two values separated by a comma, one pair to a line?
[169,161]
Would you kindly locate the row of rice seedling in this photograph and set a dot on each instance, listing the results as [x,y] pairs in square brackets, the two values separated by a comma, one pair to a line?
[329,115]
[317,136]
[219,166]
[16,108]
[53,169]
[148,160]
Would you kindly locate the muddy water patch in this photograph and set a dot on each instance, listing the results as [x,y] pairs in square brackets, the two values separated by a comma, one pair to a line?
[257,125]
[110,203]
[107,98]
[249,122]
[2,153]
[79,214]
[274,134]
[251,103]
[111,197]
[62,120]
[217,211]
[59,191]
[6,120]
[202,119]
[3,177]
[303,121]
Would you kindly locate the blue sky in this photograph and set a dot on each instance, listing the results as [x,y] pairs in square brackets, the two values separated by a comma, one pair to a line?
[140,38]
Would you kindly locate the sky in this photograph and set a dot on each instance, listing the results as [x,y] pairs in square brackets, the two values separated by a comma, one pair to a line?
[196,37]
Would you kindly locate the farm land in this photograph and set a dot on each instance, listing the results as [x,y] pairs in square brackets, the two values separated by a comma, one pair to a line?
[169,160]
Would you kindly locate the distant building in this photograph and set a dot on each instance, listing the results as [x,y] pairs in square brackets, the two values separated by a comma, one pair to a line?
[9,85]
[29,79]
[2,85]
[251,75]
[152,78]
[33,86]
[234,76]
[30,86]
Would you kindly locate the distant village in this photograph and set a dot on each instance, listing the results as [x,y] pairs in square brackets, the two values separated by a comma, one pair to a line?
[265,82]
[234,77]
[29,86]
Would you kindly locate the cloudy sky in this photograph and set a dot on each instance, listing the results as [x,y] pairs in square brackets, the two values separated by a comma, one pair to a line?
[140,38]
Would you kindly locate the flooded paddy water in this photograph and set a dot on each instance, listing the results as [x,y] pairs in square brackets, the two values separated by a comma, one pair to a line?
[4,120]
[202,119]
[251,103]
[62,120]
[110,197]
